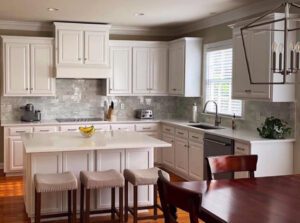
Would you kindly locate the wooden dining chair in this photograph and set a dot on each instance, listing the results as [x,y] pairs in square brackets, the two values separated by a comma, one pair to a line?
[172,196]
[230,164]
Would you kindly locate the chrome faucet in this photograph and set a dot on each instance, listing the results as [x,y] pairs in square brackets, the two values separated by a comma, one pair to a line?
[217,118]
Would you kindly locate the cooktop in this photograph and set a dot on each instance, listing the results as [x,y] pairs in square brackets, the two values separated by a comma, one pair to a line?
[79,119]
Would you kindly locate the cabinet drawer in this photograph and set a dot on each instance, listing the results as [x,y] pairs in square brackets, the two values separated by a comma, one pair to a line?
[146,127]
[122,127]
[168,129]
[101,128]
[16,131]
[197,137]
[44,129]
[69,128]
[241,149]
[182,133]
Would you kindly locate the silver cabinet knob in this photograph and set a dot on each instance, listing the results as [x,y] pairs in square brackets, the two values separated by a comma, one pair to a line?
[79,59]
[26,89]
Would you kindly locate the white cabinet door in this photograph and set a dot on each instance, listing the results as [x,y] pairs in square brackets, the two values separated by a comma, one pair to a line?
[109,159]
[42,72]
[196,160]
[241,149]
[141,70]
[70,47]
[16,69]
[15,153]
[241,87]
[120,62]
[96,47]
[46,163]
[181,156]
[176,69]
[75,162]
[159,70]
[168,154]
[135,159]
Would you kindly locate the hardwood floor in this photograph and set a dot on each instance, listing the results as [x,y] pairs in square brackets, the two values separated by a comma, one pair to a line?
[12,209]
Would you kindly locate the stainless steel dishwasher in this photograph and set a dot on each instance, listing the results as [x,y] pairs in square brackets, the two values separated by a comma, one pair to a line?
[217,146]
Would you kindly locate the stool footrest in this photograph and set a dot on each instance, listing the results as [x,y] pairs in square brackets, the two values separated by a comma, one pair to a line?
[55,215]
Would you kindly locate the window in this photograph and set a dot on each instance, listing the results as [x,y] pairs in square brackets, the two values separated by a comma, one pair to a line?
[218,79]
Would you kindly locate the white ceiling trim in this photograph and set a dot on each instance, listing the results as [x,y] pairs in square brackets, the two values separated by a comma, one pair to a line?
[226,17]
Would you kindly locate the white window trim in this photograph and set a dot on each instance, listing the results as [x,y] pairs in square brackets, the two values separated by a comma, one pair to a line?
[216,46]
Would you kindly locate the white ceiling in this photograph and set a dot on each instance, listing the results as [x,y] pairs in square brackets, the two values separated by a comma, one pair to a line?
[158,13]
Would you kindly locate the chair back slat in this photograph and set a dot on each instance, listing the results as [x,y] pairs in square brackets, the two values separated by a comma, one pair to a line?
[231,164]
[172,196]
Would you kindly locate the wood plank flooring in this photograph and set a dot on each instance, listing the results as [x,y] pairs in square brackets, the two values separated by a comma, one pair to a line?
[12,209]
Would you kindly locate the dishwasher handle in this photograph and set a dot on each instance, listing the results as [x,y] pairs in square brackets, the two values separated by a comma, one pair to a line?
[217,142]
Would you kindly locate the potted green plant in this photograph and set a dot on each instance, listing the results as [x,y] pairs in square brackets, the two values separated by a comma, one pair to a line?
[274,128]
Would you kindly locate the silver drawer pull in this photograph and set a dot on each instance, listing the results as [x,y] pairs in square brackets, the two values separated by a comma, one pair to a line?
[44,130]
[241,149]
[168,130]
[195,137]
[146,128]
[180,133]
[20,131]
[248,91]
[72,130]
[216,142]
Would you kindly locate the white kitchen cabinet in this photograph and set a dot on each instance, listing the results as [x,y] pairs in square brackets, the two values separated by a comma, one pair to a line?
[181,155]
[196,154]
[69,128]
[82,50]
[28,66]
[150,68]
[15,153]
[168,154]
[185,67]
[120,54]
[259,52]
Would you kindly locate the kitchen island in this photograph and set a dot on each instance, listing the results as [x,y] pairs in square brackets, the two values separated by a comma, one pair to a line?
[69,151]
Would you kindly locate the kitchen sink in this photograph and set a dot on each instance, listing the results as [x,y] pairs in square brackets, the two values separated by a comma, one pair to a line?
[203,126]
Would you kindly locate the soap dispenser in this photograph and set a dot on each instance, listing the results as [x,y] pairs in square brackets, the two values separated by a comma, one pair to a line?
[195,113]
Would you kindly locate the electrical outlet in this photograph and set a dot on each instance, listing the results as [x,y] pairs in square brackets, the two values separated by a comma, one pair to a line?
[122,106]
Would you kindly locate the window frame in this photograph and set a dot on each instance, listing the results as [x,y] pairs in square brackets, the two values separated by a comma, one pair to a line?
[220,45]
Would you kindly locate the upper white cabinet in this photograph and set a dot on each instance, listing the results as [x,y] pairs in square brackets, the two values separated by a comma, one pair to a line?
[82,50]
[138,68]
[28,66]
[185,67]
[259,52]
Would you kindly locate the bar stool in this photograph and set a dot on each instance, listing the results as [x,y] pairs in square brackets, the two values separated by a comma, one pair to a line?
[97,180]
[55,183]
[137,178]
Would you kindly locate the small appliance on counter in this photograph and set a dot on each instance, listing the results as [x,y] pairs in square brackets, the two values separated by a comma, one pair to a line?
[30,115]
[144,114]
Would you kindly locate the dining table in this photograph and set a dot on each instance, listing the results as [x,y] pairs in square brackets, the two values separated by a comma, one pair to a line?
[252,200]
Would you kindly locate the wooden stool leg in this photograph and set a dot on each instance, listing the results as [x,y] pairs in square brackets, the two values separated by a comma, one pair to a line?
[87,205]
[37,207]
[69,207]
[126,201]
[113,203]
[121,204]
[135,204]
[74,206]
[155,201]
[81,203]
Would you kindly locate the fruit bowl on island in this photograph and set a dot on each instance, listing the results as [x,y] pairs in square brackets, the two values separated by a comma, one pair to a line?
[87,131]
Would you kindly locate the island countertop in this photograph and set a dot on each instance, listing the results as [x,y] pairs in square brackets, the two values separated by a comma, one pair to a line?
[74,141]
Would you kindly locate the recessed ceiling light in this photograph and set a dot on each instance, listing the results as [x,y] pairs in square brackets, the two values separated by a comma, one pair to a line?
[52,9]
[139,14]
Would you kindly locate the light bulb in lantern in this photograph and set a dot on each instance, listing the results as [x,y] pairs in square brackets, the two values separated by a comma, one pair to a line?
[297,50]
[274,46]
[291,49]
[280,50]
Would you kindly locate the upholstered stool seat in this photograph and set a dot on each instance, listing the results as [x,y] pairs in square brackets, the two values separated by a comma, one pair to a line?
[55,182]
[143,176]
[98,180]
[139,177]
[108,178]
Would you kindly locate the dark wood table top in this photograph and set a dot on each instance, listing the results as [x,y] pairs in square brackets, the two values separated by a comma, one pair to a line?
[265,199]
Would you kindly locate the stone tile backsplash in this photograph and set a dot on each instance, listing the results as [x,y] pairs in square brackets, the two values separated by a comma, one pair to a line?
[82,98]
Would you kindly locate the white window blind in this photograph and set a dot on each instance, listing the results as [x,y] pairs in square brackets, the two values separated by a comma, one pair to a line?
[218,79]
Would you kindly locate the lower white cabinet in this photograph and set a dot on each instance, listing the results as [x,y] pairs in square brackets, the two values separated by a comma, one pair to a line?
[15,153]
[182,156]
[196,160]
[168,154]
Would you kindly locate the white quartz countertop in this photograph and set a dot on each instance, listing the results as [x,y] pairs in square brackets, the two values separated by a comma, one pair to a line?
[74,141]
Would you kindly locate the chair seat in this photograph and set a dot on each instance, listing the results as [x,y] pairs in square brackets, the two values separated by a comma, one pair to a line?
[101,179]
[144,176]
[55,182]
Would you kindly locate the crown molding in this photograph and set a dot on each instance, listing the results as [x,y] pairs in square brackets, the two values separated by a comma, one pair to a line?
[222,18]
